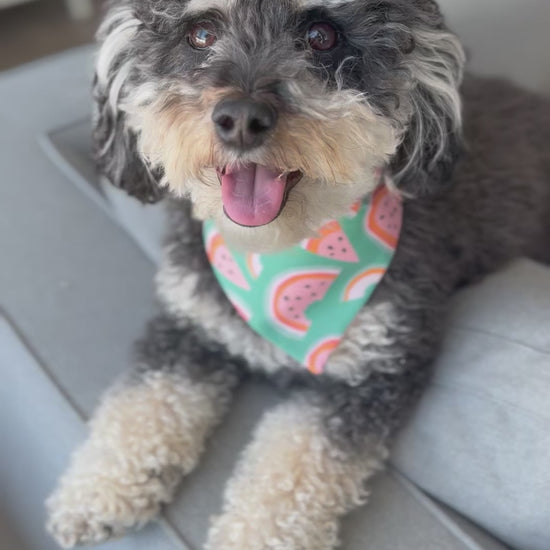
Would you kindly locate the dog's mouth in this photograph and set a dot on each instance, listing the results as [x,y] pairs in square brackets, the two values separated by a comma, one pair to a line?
[254,195]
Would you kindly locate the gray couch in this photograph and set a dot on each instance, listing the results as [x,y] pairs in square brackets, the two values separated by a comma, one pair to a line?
[77,263]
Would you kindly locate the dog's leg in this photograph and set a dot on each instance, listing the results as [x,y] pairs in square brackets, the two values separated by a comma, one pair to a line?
[147,433]
[293,484]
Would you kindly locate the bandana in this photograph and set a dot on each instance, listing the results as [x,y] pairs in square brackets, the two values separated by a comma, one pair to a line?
[303,298]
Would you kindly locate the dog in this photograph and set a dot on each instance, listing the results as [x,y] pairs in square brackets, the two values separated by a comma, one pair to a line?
[268,119]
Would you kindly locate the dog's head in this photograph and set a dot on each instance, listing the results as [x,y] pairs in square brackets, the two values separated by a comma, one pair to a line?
[273,116]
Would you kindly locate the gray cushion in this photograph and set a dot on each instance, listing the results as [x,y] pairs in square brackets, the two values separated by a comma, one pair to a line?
[56,244]
[480,440]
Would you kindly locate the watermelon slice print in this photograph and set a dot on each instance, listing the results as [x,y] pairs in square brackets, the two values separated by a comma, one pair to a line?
[223,261]
[332,243]
[384,217]
[254,264]
[291,295]
[319,354]
[358,286]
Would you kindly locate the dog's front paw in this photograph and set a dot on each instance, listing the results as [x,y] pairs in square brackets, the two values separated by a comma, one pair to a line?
[72,525]
[101,498]
[91,509]
[81,514]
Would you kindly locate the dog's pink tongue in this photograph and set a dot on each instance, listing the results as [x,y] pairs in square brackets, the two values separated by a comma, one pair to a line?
[252,195]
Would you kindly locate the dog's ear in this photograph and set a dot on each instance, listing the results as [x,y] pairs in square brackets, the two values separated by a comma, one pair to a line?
[115,143]
[432,140]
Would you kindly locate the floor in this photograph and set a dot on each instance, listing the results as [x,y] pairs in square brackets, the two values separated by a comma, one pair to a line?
[40,28]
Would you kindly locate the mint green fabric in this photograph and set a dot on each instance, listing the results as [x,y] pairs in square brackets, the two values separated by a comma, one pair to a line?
[303,298]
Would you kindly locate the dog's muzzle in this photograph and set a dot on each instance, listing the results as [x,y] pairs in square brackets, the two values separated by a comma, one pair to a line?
[252,194]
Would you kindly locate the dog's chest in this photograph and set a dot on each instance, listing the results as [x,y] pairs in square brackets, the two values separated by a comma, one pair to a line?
[303,299]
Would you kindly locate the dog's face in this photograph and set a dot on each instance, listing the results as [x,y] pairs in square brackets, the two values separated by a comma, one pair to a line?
[274,116]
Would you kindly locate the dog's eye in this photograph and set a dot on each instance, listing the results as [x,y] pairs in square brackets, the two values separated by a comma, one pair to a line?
[202,35]
[322,37]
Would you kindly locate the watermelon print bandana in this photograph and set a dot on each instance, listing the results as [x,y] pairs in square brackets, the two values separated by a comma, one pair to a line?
[302,299]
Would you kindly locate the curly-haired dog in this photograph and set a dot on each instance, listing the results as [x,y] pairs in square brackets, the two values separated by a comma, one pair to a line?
[270,118]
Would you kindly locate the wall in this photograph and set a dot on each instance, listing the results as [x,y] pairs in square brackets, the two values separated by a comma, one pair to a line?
[505,37]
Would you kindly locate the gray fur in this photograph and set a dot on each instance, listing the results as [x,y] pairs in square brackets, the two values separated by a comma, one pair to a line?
[115,145]
[170,344]
[464,215]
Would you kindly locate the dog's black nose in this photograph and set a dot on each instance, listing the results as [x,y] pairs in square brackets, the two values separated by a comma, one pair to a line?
[243,123]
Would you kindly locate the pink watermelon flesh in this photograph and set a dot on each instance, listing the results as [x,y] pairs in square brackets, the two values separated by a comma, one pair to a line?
[320,362]
[224,262]
[389,216]
[298,297]
[336,245]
